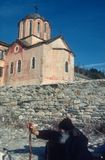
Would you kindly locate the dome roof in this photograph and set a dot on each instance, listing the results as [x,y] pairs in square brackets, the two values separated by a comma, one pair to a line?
[34,16]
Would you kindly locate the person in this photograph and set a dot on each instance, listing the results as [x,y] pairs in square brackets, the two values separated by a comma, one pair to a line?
[100,152]
[66,143]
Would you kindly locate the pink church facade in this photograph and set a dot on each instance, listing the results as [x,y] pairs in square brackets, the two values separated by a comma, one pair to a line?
[35,58]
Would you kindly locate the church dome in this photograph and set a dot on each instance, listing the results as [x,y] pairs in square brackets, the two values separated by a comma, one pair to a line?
[34,16]
[34,24]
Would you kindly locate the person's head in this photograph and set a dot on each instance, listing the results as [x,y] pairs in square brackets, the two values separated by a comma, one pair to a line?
[66,124]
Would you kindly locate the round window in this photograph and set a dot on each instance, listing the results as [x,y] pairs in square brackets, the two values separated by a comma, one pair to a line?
[16,49]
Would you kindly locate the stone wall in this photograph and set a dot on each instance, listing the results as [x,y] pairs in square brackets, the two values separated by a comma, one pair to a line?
[81,101]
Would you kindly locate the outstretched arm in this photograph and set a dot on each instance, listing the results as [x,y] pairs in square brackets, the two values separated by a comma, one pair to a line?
[44,134]
[49,135]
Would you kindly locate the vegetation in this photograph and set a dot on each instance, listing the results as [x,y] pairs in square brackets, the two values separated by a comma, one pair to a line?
[92,73]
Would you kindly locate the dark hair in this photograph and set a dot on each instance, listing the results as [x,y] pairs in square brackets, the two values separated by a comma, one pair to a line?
[66,124]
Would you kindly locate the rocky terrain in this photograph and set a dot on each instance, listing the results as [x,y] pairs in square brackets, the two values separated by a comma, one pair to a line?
[82,101]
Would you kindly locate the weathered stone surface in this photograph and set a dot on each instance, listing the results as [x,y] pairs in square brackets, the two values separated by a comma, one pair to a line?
[81,101]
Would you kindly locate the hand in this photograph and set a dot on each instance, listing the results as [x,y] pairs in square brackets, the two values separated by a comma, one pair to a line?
[33,128]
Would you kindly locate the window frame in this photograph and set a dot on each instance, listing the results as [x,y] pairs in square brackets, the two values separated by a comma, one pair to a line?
[45,27]
[66,67]
[33,63]
[38,27]
[19,66]
[12,68]
[1,72]
[1,54]
[30,27]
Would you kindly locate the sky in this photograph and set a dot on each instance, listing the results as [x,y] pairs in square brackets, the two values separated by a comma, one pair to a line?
[80,22]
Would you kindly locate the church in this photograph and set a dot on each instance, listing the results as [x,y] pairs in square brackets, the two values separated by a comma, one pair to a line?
[35,58]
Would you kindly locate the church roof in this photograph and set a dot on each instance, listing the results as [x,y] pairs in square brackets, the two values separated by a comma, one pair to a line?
[45,42]
[34,16]
[4,44]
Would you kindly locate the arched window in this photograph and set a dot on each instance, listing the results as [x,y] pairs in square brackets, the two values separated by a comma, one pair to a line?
[30,27]
[45,27]
[1,54]
[66,66]
[11,68]
[33,62]
[1,71]
[38,27]
[19,66]
[24,29]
